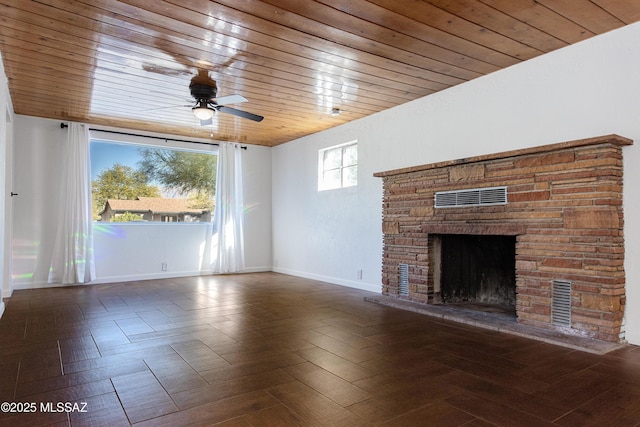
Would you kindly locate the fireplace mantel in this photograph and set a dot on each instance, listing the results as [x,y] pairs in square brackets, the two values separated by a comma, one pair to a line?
[563,204]
[610,139]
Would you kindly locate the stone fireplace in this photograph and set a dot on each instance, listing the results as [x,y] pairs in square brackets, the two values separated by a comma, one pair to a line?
[536,232]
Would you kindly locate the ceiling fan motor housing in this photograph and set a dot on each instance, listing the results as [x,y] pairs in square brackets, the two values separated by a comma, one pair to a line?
[203,91]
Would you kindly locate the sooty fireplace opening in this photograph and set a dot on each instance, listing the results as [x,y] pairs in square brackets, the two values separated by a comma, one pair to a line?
[475,270]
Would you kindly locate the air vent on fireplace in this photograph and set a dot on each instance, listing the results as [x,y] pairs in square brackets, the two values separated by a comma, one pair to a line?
[471,197]
[561,303]
[403,276]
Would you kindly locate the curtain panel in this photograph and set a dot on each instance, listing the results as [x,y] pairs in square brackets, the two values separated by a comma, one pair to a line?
[228,223]
[72,260]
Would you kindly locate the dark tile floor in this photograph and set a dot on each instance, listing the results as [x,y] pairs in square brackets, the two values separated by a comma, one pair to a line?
[267,349]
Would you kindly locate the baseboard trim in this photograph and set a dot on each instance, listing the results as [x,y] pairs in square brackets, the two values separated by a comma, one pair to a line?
[36,285]
[329,279]
[152,276]
[116,279]
[133,278]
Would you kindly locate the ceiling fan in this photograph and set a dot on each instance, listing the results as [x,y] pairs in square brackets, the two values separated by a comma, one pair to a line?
[204,91]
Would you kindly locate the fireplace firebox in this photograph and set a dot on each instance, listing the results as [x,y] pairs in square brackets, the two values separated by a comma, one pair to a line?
[475,269]
[507,228]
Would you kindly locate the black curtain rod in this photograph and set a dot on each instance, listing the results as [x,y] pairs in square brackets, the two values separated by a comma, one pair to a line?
[64,125]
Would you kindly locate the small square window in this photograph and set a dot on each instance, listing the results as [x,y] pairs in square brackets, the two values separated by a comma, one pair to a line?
[338,166]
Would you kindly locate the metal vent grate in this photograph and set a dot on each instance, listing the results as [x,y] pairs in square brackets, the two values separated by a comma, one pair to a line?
[471,197]
[403,276]
[561,303]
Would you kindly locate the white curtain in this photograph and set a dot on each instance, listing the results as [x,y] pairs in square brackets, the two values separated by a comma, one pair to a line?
[228,219]
[72,260]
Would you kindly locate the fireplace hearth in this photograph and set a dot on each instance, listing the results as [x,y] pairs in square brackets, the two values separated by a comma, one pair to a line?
[507,229]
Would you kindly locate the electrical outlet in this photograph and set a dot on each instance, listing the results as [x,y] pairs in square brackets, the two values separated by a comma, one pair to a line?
[164,266]
[360,274]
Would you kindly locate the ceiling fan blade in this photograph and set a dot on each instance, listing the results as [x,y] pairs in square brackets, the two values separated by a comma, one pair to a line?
[239,113]
[229,99]
[167,107]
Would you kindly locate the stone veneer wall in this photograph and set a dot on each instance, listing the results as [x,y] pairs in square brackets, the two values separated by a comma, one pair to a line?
[564,207]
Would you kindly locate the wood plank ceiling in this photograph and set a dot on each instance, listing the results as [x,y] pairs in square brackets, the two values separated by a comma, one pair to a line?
[129,63]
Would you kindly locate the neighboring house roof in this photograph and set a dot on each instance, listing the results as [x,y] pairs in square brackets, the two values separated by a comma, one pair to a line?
[154,204]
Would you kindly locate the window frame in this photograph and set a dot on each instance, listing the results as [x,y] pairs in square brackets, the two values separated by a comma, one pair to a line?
[323,168]
[142,141]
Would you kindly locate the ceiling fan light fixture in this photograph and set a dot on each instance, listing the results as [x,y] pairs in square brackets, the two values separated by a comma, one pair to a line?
[202,111]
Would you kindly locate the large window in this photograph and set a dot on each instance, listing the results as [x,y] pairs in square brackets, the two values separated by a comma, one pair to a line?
[338,166]
[146,183]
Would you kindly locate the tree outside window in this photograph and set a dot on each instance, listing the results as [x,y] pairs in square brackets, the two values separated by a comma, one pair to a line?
[142,183]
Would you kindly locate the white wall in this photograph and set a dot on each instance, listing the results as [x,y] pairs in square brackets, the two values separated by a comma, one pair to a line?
[123,251]
[37,157]
[7,282]
[327,235]
[585,90]
[6,145]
